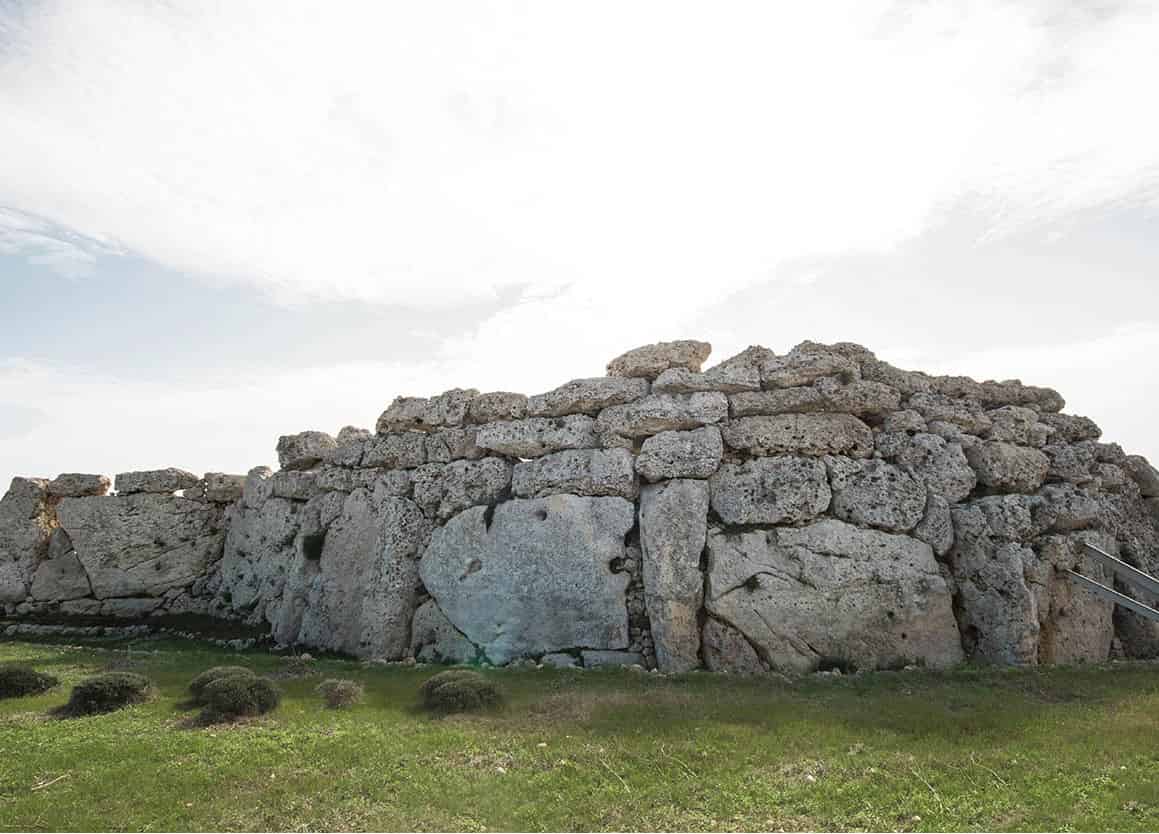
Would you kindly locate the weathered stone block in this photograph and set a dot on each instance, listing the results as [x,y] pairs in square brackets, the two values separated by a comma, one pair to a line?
[650,361]
[161,481]
[663,412]
[587,396]
[426,413]
[805,434]
[875,493]
[304,450]
[1008,468]
[681,454]
[76,484]
[578,472]
[770,491]
[537,436]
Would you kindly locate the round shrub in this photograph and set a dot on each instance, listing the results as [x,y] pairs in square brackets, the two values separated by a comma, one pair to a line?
[340,693]
[106,693]
[17,681]
[459,690]
[238,696]
[198,684]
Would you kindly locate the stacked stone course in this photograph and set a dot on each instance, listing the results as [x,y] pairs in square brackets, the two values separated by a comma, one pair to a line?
[771,513]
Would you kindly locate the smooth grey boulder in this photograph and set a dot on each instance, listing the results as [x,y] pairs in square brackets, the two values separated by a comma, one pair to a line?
[435,640]
[673,525]
[770,491]
[727,651]
[403,450]
[650,361]
[533,576]
[803,434]
[681,454]
[76,484]
[1008,468]
[26,524]
[221,488]
[663,412]
[495,406]
[142,544]
[304,450]
[832,590]
[940,464]
[445,490]
[587,396]
[361,590]
[160,481]
[875,493]
[536,436]
[59,579]
[426,413]
[578,472]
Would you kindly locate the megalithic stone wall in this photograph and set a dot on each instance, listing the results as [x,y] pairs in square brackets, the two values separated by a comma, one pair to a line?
[774,512]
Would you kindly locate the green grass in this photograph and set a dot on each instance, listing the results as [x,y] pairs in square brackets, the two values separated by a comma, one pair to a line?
[1054,749]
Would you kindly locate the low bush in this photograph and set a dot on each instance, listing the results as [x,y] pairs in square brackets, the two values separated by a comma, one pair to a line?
[339,692]
[198,684]
[16,681]
[459,690]
[106,693]
[238,696]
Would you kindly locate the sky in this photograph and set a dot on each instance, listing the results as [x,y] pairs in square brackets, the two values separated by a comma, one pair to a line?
[224,222]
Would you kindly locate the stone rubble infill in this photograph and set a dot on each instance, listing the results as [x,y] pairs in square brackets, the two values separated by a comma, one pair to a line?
[819,509]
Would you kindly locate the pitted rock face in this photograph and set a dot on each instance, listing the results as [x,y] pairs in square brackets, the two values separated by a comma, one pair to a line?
[838,508]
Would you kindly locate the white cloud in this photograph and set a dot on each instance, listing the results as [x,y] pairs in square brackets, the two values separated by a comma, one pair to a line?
[42,242]
[430,153]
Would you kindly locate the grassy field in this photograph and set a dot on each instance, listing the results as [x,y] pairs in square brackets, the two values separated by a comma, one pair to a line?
[1057,749]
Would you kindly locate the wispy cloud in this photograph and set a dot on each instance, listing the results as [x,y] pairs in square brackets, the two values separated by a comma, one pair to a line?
[423,154]
[50,244]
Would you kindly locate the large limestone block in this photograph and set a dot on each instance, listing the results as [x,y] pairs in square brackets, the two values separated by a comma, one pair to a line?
[26,523]
[143,544]
[673,525]
[445,490]
[833,590]
[940,464]
[663,412]
[1075,626]
[536,436]
[861,398]
[259,549]
[161,481]
[446,445]
[875,493]
[427,413]
[294,484]
[435,640]
[59,579]
[1071,428]
[1143,474]
[770,491]
[737,373]
[495,406]
[727,650]
[361,592]
[1015,424]
[1072,462]
[578,472]
[304,450]
[222,488]
[650,361]
[533,576]
[76,484]
[681,454]
[804,434]
[997,608]
[968,416]
[937,525]
[807,363]
[403,450]
[587,396]
[350,446]
[1006,467]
